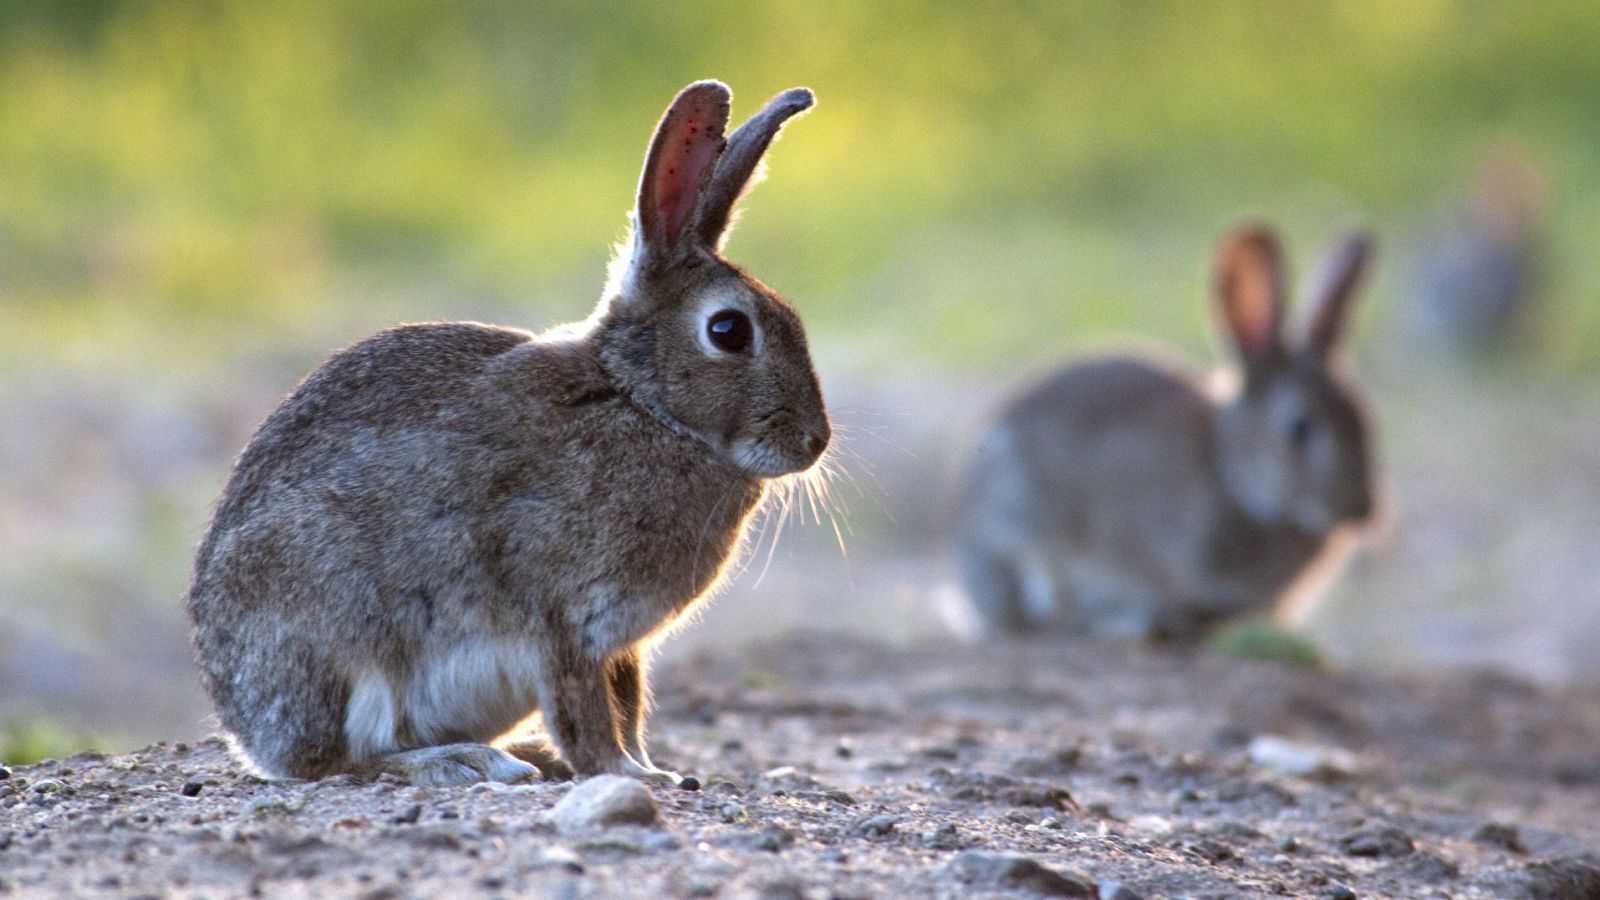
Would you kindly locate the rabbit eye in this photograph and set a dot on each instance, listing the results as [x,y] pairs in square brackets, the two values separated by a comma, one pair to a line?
[1300,429]
[730,331]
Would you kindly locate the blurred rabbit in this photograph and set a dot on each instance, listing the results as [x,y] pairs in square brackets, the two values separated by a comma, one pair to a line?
[1477,277]
[449,528]
[1123,496]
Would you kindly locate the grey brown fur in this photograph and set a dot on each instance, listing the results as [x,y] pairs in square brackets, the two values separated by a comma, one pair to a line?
[1126,496]
[450,528]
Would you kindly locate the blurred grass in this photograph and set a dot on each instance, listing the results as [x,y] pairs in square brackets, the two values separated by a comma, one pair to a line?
[25,740]
[184,176]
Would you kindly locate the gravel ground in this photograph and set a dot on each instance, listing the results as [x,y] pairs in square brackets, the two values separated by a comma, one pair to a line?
[849,769]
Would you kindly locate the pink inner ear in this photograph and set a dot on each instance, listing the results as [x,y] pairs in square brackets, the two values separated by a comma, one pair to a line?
[1253,310]
[1250,291]
[691,145]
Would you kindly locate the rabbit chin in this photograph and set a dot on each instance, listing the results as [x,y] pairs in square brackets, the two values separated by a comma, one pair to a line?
[760,459]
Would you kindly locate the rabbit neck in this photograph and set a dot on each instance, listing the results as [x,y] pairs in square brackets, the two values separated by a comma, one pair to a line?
[619,365]
[1268,556]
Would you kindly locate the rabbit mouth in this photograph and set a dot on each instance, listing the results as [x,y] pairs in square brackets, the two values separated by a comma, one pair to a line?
[763,460]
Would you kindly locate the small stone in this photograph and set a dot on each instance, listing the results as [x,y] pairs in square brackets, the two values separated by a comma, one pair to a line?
[779,772]
[46,786]
[1116,890]
[841,797]
[1188,795]
[782,889]
[1287,757]
[1062,762]
[843,751]
[1039,796]
[1212,851]
[689,783]
[1340,892]
[1495,834]
[1560,877]
[181,747]
[733,812]
[876,826]
[1234,830]
[1288,844]
[1230,736]
[1015,871]
[1425,868]
[773,839]
[945,837]
[1385,840]
[1265,792]
[4,773]
[605,800]
[192,788]
[410,816]
[560,858]
[658,839]
[835,855]
[732,745]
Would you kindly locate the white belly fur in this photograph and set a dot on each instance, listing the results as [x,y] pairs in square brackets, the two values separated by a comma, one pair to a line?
[478,689]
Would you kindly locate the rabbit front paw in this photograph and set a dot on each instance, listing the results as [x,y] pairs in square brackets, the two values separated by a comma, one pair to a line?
[455,765]
[659,776]
[541,752]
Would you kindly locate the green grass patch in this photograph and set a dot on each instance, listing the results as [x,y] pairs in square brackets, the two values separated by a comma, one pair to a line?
[1262,640]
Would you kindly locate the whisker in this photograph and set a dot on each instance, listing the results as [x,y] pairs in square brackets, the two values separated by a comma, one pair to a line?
[783,518]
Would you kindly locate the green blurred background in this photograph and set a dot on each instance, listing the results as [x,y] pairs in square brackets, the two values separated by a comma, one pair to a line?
[198,200]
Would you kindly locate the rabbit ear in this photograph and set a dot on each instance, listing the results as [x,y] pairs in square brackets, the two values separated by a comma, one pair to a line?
[735,170]
[1250,292]
[683,155]
[1330,294]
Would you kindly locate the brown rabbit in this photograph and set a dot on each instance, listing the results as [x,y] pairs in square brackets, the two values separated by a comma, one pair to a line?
[1126,497]
[450,529]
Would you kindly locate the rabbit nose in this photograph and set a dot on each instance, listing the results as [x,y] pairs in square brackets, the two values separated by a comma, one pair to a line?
[817,441]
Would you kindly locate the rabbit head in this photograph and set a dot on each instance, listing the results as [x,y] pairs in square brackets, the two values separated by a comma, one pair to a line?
[704,347]
[1291,443]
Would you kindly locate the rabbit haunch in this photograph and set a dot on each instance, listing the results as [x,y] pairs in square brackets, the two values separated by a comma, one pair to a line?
[453,533]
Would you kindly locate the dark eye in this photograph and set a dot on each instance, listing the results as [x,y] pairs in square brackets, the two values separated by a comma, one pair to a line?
[1300,429]
[729,331]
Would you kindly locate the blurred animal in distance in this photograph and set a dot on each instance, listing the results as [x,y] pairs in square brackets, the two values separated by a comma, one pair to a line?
[1477,276]
[1128,496]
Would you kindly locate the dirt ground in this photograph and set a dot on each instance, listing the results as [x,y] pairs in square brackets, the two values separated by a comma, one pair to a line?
[835,768]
